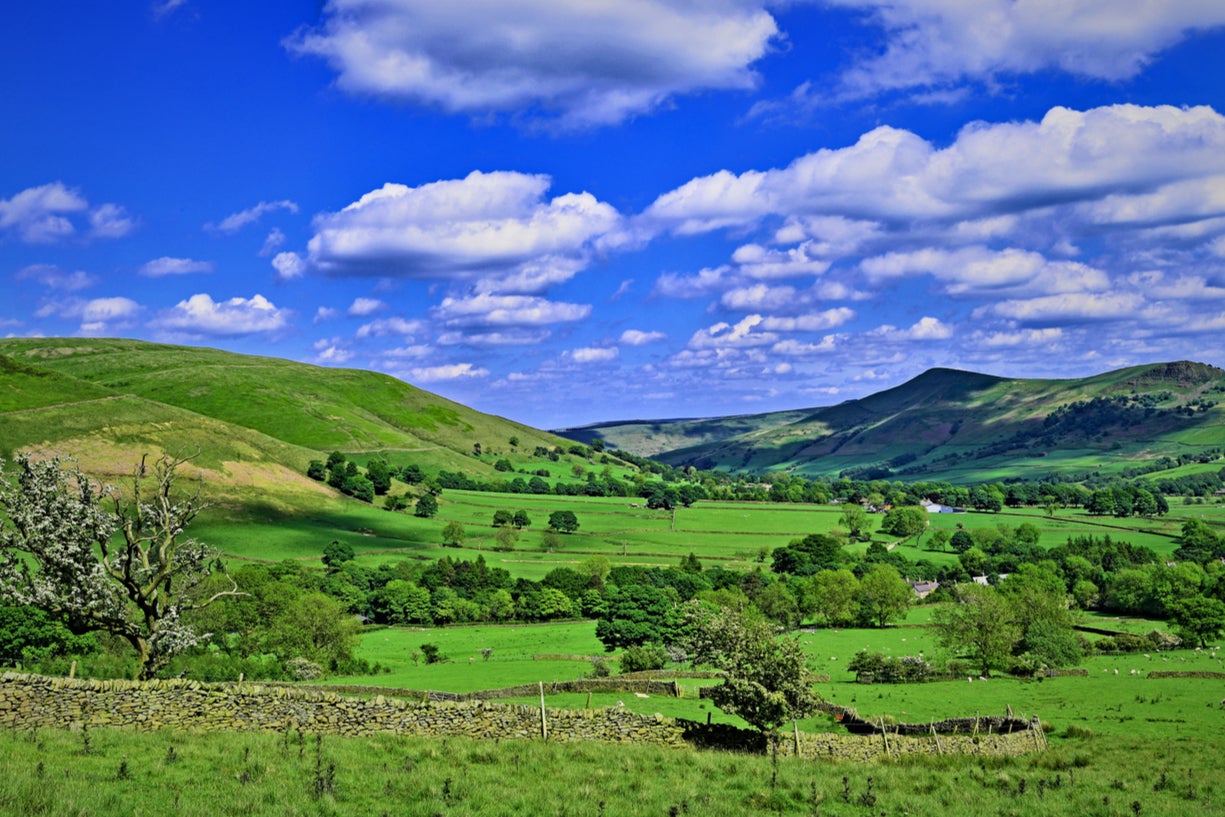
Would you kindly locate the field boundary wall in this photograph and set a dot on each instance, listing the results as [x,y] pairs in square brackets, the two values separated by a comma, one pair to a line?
[29,702]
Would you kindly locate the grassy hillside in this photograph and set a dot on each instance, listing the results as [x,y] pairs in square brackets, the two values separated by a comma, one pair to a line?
[309,407]
[318,408]
[961,426]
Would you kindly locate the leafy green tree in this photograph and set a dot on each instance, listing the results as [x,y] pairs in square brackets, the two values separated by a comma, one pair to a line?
[552,603]
[766,680]
[638,613]
[973,561]
[961,541]
[905,522]
[856,521]
[884,596]
[427,506]
[316,470]
[31,634]
[563,521]
[453,534]
[336,553]
[315,627]
[379,474]
[1199,618]
[501,605]
[395,502]
[358,487]
[58,552]
[939,540]
[1199,542]
[981,623]
[596,567]
[337,476]
[521,520]
[804,557]
[502,518]
[506,539]
[834,596]
[550,540]
[402,602]
[691,563]
[777,603]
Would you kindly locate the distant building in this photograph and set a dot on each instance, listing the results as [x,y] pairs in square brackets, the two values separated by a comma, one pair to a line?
[924,589]
[936,507]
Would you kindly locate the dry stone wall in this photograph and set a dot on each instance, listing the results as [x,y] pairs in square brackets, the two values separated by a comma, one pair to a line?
[36,702]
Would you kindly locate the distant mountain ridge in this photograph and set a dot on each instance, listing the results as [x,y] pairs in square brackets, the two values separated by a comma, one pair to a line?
[960,425]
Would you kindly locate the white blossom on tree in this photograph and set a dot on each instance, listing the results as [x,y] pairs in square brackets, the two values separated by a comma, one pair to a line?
[105,561]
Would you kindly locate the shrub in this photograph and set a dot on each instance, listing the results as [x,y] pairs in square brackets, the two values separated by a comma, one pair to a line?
[643,657]
[599,667]
[432,653]
[303,669]
[876,667]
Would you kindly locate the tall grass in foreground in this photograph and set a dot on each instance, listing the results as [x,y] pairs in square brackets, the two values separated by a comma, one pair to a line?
[107,772]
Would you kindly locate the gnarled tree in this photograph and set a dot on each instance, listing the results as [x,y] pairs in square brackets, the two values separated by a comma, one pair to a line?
[106,562]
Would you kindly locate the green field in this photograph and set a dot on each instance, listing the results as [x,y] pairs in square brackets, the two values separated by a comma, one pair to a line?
[732,534]
[162,773]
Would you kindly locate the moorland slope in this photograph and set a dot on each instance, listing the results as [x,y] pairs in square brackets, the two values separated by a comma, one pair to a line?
[958,425]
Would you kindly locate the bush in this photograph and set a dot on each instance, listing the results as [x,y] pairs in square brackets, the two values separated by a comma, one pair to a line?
[432,653]
[875,667]
[1124,642]
[303,669]
[643,657]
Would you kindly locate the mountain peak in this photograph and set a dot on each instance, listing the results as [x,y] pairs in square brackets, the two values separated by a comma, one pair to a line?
[1183,373]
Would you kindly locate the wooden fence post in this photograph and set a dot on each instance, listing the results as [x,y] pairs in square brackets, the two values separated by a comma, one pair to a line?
[544,725]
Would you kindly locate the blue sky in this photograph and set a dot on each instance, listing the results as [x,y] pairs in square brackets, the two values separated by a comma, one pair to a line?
[571,211]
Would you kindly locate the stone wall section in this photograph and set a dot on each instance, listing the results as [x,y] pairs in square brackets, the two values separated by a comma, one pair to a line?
[35,702]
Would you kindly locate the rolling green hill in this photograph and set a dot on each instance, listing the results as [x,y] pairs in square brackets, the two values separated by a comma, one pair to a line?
[959,426]
[108,401]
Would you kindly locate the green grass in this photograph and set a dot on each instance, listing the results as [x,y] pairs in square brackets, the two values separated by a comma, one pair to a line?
[251,773]
[466,669]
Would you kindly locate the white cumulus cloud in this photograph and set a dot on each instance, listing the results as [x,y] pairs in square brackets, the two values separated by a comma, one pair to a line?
[165,265]
[594,354]
[364,307]
[288,266]
[497,227]
[573,64]
[200,315]
[39,215]
[946,42]
[453,371]
[54,278]
[507,310]
[637,337]
[893,176]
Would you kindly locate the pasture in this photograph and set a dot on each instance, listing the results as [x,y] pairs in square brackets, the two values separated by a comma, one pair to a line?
[736,535]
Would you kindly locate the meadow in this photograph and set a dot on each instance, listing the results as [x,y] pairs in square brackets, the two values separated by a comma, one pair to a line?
[131,774]
[736,535]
